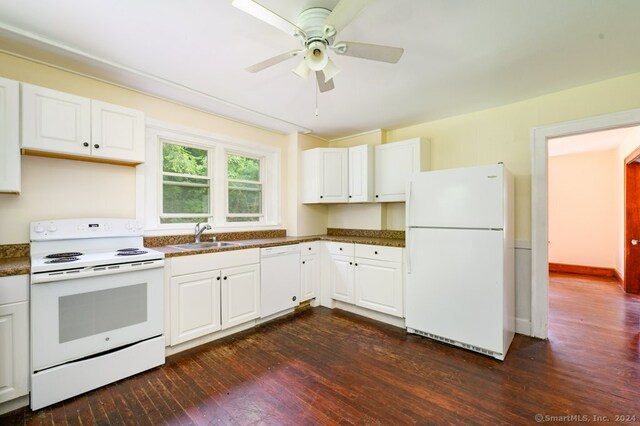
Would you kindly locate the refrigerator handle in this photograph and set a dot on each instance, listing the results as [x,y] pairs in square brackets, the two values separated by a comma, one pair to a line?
[408,205]
[408,249]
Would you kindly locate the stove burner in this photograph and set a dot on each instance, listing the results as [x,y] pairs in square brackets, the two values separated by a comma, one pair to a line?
[63,255]
[62,259]
[131,253]
[128,249]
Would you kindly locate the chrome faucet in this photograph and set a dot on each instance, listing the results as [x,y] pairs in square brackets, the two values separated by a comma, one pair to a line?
[200,230]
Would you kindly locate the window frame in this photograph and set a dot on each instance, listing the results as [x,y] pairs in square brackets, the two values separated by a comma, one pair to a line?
[149,179]
[262,214]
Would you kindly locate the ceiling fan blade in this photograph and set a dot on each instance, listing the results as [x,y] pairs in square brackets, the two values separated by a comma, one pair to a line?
[273,61]
[322,85]
[344,12]
[374,52]
[259,11]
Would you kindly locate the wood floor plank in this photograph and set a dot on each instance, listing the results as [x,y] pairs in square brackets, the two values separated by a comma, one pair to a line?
[331,367]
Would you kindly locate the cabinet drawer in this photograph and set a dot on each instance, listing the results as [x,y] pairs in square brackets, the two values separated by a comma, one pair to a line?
[14,288]
[390,254]
[309,248]
[344,249]
[210,261]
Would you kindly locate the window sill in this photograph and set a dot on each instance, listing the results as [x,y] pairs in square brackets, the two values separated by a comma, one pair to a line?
[188,230]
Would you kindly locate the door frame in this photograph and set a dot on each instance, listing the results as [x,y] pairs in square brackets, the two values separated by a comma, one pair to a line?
[539,203]
[631,158]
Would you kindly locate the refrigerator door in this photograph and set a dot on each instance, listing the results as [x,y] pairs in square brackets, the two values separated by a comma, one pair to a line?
[471,197]
[454,285]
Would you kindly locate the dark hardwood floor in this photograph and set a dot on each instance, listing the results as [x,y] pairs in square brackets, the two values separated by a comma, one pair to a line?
[328,367]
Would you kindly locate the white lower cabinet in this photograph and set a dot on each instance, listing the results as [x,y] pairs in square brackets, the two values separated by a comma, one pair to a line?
[309,277]
[14,337]
[212,292]
[368,276]
[341,278]
[240,295]
[195,302]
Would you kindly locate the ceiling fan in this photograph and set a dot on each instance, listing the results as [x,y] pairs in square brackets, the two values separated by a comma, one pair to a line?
[316,28]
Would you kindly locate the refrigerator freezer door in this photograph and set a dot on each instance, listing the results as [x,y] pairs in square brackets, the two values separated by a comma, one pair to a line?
[455,287]
[457,198]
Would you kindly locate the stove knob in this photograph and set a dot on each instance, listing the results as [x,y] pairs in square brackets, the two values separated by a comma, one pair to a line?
[38,229]
[52,228]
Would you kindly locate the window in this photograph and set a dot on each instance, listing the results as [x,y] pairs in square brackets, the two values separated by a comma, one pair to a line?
[186,184]
[191,176]
[244,188]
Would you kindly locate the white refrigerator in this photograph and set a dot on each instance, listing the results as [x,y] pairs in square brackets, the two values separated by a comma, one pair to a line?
[460,258]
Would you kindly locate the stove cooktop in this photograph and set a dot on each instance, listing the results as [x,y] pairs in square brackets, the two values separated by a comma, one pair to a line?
[88,259]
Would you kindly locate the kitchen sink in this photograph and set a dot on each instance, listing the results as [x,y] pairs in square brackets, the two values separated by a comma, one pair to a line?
[204,245]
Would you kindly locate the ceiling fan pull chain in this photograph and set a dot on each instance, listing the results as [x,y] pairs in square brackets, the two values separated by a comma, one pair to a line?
[316,89]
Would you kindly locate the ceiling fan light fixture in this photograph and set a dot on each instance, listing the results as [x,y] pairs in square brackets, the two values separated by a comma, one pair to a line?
[302,70]
[316,57]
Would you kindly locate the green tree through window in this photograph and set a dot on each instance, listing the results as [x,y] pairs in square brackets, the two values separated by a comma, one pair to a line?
[244,181]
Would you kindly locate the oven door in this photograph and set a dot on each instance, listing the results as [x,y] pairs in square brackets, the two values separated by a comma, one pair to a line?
[80,317]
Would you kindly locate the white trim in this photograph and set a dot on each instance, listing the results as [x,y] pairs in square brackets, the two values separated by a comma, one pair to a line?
[539,203]
[523,244]
[368,132]
[523,326]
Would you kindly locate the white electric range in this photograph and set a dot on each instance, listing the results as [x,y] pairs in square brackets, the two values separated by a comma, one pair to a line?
[97,300]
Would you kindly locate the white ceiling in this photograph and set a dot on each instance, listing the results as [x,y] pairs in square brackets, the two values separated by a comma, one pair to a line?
[604,140]
[460,55]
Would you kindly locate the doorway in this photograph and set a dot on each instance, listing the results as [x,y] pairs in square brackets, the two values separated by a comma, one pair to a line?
[632,222]
[539,203]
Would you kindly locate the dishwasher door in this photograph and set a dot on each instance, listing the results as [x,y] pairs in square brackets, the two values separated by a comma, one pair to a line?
[279,279]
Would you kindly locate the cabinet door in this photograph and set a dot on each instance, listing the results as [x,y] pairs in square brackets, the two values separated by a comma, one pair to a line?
[9,136]
[195,305]
[341,278]
[117,133]
[14,350]
[310,277]
[379,286]
[240,295]
[361,174]
[334,175]
[55,122]
[394,163]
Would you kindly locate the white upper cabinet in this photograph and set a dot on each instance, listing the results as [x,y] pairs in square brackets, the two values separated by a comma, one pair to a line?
[63,125]
[394,163]
[361,174]
[325,175]
[9,136]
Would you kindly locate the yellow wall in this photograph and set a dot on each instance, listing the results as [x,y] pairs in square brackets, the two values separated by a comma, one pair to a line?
[504,133]
[54,189]
[583,209]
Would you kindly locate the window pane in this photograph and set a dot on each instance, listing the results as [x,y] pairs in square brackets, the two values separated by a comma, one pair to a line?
[183,159]
[185,180]
[243,168]
[243,219]
[245,198]
[177,198]
[193,220]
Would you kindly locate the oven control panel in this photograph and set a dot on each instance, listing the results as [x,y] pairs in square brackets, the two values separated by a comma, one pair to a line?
[66,229]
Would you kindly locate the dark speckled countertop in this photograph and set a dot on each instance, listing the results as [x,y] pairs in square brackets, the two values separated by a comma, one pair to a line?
[14,258]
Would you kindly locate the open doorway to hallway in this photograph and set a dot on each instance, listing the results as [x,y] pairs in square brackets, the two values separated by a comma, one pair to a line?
[586,178]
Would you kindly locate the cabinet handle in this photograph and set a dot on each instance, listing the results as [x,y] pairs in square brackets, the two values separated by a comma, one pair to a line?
[356,264]
[218,278]
[350,263]
[375,252]
[303,262]
[225,278]
[349,196]
[85,144]
[96,146]
[321,196]
[340,248]
[309,248]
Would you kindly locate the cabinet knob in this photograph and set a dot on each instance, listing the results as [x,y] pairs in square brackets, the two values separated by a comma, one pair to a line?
[340,248]
[85,144]
[225,278]
[377,196]
[96,146]
[294,298]
[303,262]
[356,264]
[218,278]
[375,252]
[309,248]
[350,263]
[350,196]
[321,196]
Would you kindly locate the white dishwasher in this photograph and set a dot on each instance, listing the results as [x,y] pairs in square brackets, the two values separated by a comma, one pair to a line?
[279,279]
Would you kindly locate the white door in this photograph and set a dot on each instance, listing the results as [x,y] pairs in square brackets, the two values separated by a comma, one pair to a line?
[117,133]
[454,286]
[195,305]
[335,176]
[341,278]
[361,174]
[55,122]
[471,197]
[14,350]
[240,295]
[9,136]
[394,164]
[309,277]
[379,286]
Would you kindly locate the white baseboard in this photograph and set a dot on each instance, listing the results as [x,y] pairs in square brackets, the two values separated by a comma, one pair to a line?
[14,404]
[523,326]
